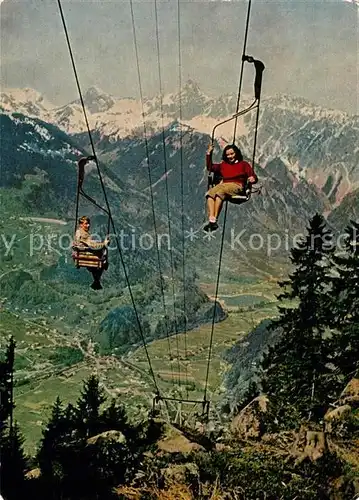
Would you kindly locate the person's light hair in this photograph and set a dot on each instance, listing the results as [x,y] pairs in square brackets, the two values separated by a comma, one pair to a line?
[84,218]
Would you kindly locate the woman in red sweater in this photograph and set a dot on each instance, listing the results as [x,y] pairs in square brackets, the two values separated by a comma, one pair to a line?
[236,174]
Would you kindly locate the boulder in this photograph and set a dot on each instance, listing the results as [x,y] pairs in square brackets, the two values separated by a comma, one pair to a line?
[33,474]
[174,441]
[310,444]
[107,436]
[179,473]
[249,423]
[350,395]
[336,417]
[342,420]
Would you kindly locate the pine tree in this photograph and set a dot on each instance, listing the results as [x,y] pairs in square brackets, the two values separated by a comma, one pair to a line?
[13,464]
[295,370]
[52,437]
[345,347]
[114,417]
[345,304]
[60,451]
[13,460]
[310,282]
[57,413]
[6,384]
[73,466]
[4,396]
[88,407]
[346,281]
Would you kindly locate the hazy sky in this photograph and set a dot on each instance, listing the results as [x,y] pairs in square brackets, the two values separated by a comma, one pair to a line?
[309,47]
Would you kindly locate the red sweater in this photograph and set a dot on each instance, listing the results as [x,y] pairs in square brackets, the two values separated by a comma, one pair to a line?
[232,172]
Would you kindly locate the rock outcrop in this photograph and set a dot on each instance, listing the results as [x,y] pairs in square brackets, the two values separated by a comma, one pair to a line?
[250,422]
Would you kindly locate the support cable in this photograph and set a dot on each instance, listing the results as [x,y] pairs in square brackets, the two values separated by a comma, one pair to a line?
[205,401]
[242,68]
[182,188]
[150,184]
[167,195]
[106,199]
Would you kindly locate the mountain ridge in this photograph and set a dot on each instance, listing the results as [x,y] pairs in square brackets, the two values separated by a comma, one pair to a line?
[314,143]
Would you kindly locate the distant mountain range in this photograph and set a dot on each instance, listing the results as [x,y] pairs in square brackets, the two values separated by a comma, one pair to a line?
[314,143]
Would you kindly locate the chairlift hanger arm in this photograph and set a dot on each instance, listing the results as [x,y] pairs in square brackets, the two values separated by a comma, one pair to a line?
[81,176]
[159,398]
[259,68]
[252,106]
[81,164]
[93,201]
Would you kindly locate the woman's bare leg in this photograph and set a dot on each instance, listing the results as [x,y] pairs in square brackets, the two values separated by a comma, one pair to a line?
[211,207]
[218,203]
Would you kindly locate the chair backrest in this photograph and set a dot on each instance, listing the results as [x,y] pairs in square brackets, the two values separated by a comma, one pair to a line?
[213,179]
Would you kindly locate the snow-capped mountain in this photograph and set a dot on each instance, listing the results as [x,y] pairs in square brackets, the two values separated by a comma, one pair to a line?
[121,117]
[96,101]
[32,149]
[314,143]
[27,101]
